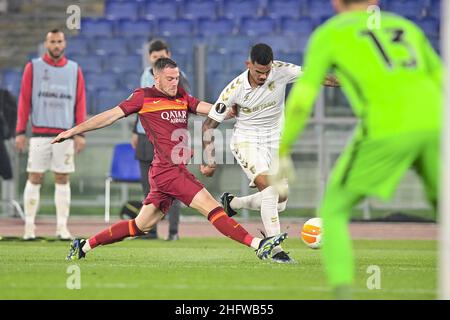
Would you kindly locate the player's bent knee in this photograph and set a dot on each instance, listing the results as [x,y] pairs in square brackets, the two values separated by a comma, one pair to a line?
[36,178]
[61,178]
[282,205]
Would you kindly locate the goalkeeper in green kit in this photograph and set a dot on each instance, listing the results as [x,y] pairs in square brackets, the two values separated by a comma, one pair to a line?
[394,82]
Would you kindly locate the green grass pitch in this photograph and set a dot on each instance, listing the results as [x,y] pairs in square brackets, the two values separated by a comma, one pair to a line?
[209,268]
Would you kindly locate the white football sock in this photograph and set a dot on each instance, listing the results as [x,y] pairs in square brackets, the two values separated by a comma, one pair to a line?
[255,243]
[269,212]
[62,203]
[86,246]
[252,202]
[31,196]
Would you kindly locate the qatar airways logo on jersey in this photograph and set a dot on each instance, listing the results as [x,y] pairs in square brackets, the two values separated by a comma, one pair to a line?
[175,116]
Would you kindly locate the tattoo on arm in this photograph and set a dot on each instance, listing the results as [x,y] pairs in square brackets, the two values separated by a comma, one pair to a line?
[209,152]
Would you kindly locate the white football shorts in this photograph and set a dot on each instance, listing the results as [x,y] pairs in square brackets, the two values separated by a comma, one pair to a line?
[56,157]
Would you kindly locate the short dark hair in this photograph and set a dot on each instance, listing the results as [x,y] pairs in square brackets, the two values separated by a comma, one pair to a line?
[157,45]
[261,53]
[55,30]
[163,63]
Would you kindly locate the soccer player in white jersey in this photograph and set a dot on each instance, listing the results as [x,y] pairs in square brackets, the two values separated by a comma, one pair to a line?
[259,94]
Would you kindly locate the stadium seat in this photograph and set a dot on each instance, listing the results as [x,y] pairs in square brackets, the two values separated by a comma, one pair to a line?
[235,43]
[131,80]
[179,27]
[124,63]
[107,99]
[11,80]
[318,9]
[108,46]
[302,26]
[124,9]
[90,63]
[124,169]
[236,9]
[99,27]
[434,9]
[77,45]
[199,9]
[215,83]
[218,27]
[237,62]
[286,8]
[217,62]
[293,57]
[430,26]
[278,43]
[407,8]
[259,26]
[161,9]
[135,27]
[101,81]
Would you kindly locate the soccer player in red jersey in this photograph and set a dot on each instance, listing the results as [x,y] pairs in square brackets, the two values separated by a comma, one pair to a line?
[163,111]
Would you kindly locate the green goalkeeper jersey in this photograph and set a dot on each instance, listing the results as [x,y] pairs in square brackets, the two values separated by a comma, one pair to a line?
[391,76]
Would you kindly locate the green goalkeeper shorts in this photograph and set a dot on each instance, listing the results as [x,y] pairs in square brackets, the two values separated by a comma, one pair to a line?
[374,167]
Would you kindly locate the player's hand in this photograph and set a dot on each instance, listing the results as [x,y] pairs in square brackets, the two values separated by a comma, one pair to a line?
[134,140]
[285,171]
[21,142]
[207,171]
[331,81]
[63,136]
[79,143]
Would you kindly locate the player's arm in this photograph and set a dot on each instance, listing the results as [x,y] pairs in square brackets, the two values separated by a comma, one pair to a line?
[203,108]
[293,72]
[101,120]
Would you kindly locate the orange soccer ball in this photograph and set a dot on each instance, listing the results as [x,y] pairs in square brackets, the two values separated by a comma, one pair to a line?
[311,233]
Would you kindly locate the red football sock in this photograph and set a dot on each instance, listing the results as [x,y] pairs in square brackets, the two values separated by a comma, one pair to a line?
[229,227]
[115,233]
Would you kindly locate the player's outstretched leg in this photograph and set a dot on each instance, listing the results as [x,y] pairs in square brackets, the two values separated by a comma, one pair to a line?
[147,218]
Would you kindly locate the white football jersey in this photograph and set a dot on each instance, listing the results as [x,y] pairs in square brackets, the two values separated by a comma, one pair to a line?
[261,110]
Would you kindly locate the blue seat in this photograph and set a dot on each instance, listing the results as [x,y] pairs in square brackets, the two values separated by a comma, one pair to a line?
[161,9]
[107,99]
[102,81]
[200,9]
[124,168]
[217,62]
[124,63]
[118,10]
[131,80]
[237,62]
[108,46]
[77,45]
[434,9]
[136,43]
[302,26]
[233,43]
[219,27]
[89,63]
[179,27]
[278,43]
[407,8]
[293,57]
[318,9]
[259,26]
[430,26]
[11,80]
[286,8]
[216,82]
[99,27]
[237,9]
[135,27]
